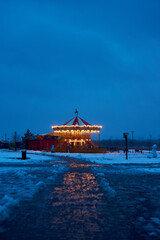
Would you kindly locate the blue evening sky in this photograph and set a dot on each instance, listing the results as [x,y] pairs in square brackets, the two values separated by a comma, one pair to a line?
[101,57]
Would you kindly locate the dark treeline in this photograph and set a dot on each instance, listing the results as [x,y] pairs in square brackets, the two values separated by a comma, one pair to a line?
[120,143]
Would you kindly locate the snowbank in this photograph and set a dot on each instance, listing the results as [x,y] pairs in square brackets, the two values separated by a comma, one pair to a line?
[21,179]
[6,204]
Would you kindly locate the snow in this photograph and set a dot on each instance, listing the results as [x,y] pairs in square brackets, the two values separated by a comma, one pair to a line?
[113,158]
[136,162]
[153,153]
[108,189]
[6,203]
[21,179]
[8,156]
[156,220]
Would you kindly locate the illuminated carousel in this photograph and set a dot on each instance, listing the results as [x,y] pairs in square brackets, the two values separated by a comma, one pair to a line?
[75,135]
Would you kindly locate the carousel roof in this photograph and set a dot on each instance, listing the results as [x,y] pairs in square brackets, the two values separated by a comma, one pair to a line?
[77,123]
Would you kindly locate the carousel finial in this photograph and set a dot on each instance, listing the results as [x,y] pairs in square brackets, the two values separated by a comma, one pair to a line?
[76,112]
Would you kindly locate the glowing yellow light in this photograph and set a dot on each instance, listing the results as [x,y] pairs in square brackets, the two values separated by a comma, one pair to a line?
[77,126]
[76,129]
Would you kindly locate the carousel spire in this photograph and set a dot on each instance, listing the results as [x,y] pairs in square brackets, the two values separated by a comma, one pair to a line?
[76,112]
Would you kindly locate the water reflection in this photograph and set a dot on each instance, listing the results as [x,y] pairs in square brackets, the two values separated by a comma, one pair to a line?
[75,165]
[84,165]
[77,206]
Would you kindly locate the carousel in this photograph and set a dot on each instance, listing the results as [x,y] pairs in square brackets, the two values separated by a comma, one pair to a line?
[77,135]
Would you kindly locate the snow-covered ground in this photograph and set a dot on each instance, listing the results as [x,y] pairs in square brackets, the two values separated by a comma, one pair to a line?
[130,184]
[114,158]
[136,162]
[21,179]
[8,156]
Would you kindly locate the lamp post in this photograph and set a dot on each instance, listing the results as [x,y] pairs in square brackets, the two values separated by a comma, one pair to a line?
[125,135]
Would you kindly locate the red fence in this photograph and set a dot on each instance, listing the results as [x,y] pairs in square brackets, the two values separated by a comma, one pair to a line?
[41,144]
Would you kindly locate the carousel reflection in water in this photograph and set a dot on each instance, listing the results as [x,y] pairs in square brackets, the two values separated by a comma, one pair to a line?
[77,206]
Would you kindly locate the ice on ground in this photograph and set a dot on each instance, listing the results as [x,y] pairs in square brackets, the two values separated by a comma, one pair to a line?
[6,204]
[113,158]
[156,220]
[40,185]
[142,219]
[107,188]
[21,179]
[8,156]
[136,163]
[99,158]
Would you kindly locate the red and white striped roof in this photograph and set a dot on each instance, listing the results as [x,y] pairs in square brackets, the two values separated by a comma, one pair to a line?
[76,121]
[75,124]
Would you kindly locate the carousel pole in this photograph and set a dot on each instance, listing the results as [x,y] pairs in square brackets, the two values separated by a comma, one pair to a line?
[96,137]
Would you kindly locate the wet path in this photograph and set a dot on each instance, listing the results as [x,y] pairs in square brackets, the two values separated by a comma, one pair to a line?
[77,205]
[81,204]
